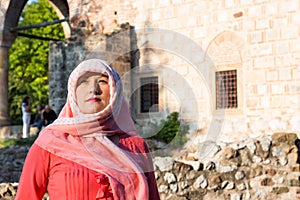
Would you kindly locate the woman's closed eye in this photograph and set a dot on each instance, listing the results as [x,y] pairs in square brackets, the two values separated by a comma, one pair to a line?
[82,81]
[102,81]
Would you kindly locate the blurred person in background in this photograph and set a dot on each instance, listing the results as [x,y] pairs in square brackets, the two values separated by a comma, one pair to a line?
[48,115]
[26,116]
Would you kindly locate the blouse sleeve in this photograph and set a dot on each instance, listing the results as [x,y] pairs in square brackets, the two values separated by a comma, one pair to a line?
[34,177]
[144,159]
[149,173]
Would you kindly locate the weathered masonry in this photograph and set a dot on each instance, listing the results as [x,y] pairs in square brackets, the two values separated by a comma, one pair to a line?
[226,66]
[229,67]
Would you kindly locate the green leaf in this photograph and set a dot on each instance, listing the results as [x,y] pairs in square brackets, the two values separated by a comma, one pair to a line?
[28,59]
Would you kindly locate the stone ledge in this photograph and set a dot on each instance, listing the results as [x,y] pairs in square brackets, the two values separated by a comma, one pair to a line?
[14,131]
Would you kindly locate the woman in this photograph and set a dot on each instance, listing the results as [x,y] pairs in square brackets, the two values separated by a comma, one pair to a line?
[38,122]
[91,151]
[26,115]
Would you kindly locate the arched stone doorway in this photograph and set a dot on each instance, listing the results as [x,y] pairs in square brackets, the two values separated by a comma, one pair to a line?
[10,11]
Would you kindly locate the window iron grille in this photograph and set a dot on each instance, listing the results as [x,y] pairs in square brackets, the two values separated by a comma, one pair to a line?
[226,89]
[149,94]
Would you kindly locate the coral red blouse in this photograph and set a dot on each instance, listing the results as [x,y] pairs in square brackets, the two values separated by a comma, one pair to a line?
[64,179]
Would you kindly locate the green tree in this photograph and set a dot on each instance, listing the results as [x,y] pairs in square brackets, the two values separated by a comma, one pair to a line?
[171,130]
[28,68]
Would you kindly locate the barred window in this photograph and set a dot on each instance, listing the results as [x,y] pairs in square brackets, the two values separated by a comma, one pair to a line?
[149,94]
[226,89]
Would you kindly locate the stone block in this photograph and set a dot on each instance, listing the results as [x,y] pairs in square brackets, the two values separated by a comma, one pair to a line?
[170,178]
[294,182]
[241,186]
[293,157]
[214,182]
[280,190]
[295,168]
[252,10]
[262,23]
[200,182]
[267,182]
[196,165]
[256,170]
[289,33]
[262,50]
[284,138]
[295,45]
[282,48]
[164,163]
[288,6]
[285,74]
[227,185]
[272,35]
[270,172]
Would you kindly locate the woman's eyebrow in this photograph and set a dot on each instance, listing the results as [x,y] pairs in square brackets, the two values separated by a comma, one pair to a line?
[104,75]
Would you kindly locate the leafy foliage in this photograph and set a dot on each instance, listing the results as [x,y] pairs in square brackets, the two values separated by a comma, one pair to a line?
[4,143]
[171,130]
[28,67]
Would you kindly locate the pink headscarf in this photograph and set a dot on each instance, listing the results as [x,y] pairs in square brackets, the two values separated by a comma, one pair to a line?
[82,138]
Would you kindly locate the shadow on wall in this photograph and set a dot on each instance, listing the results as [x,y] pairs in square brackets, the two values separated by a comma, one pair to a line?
[297,143]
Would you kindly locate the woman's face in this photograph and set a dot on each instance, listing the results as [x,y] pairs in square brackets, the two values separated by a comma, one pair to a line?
[92,92]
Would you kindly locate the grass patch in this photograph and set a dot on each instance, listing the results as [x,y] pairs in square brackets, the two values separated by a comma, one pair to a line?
[19,142]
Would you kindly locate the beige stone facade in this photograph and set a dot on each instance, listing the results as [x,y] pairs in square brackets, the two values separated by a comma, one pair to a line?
[185,43]
[195,39]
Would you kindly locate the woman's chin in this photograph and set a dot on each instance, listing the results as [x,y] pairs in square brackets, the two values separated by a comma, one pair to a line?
[92,109]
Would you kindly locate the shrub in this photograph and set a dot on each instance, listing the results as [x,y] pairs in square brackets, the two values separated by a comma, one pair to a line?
[171,130]
[18,142]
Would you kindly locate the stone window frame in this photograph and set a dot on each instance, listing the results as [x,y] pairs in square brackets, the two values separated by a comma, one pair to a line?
[226,52]
[161,96]
[239,83]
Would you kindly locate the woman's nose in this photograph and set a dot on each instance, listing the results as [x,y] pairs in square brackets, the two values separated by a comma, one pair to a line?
[97,89]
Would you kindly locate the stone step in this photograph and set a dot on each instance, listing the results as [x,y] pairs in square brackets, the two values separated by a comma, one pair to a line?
[15,131]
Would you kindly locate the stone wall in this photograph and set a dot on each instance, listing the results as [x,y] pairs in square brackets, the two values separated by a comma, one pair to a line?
[63,57]
[115,48]
[258,38]
[265,168]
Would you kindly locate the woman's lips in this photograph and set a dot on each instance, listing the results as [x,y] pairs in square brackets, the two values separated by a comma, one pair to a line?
[93,100]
